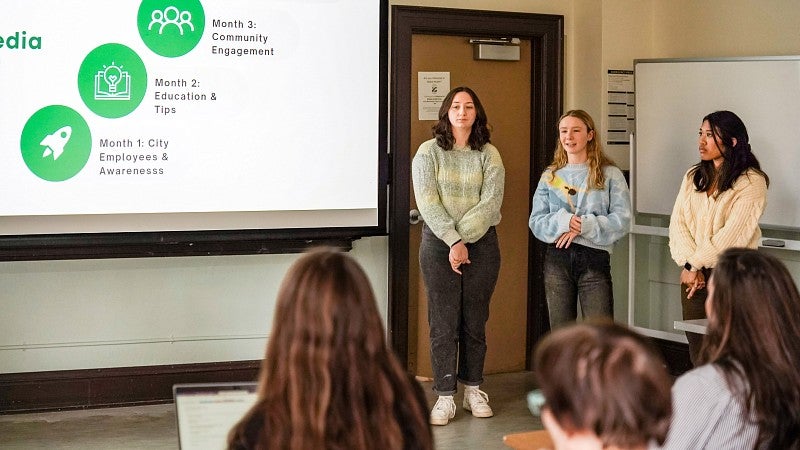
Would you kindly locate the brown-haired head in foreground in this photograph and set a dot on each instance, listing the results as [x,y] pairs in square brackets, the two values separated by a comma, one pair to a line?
[604,378]
[328,379]
[754,336]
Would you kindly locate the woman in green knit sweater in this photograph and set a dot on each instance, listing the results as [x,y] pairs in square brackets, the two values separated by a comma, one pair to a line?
[458,181]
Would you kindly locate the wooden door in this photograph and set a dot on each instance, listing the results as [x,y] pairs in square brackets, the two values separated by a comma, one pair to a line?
[533,110]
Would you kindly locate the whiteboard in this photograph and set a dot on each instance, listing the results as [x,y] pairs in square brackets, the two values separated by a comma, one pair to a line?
[673,96]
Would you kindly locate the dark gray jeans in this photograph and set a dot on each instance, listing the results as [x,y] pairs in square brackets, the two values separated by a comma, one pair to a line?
[458,308]
[577,273]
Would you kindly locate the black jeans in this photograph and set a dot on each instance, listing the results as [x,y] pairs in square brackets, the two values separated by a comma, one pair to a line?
[458,308]
[573,273]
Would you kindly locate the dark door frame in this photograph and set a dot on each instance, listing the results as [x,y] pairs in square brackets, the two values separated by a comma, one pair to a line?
[547,55]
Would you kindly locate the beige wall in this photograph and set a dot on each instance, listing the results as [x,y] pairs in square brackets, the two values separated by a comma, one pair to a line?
[627,35]
[80,314]
[688,28]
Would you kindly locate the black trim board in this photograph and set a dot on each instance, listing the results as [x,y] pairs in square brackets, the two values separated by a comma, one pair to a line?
[95,247]
[122,386]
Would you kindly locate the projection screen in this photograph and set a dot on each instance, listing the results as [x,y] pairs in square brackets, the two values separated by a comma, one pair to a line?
[129,118]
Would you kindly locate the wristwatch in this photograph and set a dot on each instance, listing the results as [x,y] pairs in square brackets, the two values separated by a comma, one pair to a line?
[688,267]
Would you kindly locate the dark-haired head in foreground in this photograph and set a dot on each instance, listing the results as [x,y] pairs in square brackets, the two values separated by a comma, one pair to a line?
[753,310]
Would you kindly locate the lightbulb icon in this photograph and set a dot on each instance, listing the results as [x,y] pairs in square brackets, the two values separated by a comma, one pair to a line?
[112,75]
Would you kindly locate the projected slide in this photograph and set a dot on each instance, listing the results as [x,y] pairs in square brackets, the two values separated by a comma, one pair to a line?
[188,115]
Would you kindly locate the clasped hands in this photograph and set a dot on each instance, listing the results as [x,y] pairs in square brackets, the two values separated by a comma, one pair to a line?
[695,281]
[458,255]
[565,239]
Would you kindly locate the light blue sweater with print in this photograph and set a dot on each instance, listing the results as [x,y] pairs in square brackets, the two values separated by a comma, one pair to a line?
[605,214]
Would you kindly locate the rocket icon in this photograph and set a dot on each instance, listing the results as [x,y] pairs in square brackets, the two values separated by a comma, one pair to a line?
[55,142]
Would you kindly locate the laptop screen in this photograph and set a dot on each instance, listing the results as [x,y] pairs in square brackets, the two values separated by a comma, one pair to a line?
[207,411]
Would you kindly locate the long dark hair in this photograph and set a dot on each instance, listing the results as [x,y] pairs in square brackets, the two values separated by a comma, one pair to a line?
[754,337]
[443,132]
[328,379]
[736,159]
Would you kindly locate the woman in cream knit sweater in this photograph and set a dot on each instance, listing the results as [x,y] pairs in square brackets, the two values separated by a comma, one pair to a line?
[718,206]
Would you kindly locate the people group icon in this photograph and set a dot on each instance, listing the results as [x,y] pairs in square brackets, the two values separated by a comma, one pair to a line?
[170,16]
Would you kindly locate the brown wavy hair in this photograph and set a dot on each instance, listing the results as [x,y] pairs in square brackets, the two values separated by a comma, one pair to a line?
[597,158]
[602,377]
[443,130]
[754,338]
[328,380]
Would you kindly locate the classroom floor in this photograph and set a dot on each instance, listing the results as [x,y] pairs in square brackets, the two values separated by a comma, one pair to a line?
[153,427]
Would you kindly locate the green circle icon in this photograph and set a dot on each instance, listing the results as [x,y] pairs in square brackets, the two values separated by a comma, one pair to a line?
[112,80]
[170,30]
[56,143]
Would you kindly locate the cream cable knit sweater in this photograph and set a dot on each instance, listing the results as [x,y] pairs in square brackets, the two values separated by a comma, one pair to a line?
[701,226]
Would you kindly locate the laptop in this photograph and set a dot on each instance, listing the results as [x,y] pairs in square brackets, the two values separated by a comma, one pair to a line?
[206,412]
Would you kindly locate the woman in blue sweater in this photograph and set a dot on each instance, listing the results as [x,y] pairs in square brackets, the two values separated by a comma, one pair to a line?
[581,207]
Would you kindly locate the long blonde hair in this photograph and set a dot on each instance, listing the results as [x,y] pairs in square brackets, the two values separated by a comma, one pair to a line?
[597,159]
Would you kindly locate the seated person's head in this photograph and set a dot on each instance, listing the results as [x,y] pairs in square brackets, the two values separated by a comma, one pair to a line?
[328,379]
[751,293]
[603,385]
[325,316]
[753,309]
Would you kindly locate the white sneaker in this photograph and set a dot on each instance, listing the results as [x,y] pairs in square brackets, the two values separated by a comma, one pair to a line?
[477,401]
[443,410]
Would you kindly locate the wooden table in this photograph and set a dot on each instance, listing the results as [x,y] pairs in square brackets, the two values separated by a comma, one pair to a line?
[529,440]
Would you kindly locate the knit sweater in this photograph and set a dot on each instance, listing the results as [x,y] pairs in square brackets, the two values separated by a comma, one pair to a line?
[605,213]
[458,192]
[702,227]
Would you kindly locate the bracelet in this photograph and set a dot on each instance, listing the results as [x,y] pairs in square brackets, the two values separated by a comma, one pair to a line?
[688,266]
[454,243]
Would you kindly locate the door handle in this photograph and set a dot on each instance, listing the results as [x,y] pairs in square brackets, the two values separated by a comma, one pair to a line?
[414,217]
